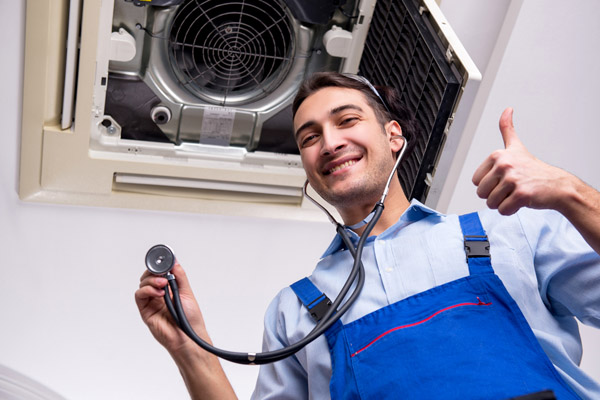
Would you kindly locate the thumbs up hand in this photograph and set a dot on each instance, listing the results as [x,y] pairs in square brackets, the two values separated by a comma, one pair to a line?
[512,178]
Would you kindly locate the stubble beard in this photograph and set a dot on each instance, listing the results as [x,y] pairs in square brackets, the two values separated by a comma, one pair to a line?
[368,189]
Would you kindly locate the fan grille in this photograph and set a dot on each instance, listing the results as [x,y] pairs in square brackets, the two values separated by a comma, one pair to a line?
[227,52]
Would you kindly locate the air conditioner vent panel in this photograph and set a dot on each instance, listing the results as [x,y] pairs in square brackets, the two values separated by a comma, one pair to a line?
[403,51]
[138,114]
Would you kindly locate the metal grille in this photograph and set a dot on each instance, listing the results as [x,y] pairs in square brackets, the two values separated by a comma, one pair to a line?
[229,52]
[403,52]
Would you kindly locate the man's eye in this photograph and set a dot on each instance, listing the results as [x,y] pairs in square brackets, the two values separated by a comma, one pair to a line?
[348,120]
[308,140]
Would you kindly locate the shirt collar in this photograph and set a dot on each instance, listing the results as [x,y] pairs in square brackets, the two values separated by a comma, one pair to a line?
[416,211]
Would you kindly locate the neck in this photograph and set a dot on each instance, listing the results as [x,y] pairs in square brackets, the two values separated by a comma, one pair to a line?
[395,205]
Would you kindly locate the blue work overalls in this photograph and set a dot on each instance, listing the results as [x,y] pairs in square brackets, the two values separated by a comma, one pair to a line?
[466,339]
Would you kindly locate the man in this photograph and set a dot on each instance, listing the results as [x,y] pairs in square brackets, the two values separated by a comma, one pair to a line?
[438,333]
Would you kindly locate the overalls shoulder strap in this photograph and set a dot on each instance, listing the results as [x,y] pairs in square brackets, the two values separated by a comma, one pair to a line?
[477,249]
[477,245]
[315,301]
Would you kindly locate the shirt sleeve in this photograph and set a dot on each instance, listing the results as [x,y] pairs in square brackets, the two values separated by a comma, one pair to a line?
[284,379]
[567,268]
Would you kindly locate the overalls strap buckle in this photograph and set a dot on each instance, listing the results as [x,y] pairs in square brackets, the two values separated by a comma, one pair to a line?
[319,307]
[315,301]
[476,246]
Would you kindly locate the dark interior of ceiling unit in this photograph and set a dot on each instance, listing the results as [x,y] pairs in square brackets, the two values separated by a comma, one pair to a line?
[403,51]
[129,101]
[277,134]
[313,11]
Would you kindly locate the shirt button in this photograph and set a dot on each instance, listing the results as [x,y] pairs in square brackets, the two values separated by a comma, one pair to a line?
[388,269]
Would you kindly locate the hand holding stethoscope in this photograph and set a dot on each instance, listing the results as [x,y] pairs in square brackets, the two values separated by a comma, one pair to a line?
[154,311]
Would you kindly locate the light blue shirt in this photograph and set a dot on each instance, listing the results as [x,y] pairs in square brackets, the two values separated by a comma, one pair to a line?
[550,271]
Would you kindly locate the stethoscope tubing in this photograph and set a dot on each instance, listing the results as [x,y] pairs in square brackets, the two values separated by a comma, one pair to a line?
[176,309]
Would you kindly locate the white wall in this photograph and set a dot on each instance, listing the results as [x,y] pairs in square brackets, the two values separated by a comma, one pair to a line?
[67,313]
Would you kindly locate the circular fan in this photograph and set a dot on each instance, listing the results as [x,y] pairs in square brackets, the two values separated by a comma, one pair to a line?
[231,52]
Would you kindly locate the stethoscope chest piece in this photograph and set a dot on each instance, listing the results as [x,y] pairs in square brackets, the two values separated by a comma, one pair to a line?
[160,259]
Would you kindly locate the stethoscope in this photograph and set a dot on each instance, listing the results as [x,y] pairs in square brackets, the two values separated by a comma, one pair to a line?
[160,259]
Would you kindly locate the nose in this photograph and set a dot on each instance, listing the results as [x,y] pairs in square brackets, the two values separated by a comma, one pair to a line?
[332,142]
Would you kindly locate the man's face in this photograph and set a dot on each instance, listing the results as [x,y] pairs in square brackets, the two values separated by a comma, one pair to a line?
[346,153]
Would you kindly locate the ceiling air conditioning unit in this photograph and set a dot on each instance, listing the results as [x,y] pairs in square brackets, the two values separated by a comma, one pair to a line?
[186,104]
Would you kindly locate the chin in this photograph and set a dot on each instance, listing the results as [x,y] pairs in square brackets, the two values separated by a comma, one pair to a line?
[352,195]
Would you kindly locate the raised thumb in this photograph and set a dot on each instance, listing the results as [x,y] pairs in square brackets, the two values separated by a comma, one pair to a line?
[507,128]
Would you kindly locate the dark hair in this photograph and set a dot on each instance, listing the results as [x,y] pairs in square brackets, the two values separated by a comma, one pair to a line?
[375,99]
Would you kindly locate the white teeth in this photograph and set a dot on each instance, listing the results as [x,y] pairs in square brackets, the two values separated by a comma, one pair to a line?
[344,165]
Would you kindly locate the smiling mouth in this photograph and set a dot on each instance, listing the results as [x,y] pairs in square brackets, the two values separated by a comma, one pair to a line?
[341,166]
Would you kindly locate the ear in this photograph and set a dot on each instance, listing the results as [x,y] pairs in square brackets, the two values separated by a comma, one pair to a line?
[394,132]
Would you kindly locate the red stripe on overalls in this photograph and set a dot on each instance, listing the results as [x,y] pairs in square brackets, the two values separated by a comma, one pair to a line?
[479,303]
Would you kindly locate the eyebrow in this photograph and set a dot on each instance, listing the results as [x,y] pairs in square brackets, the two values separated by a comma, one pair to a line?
[333,111]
